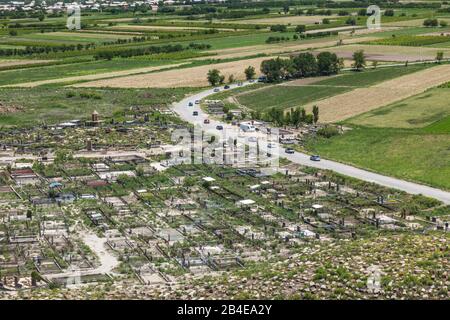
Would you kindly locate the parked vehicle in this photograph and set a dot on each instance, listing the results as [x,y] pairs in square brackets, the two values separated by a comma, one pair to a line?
[197,101]
[246,127]
[290,150]
[226,87]
[195,113]
[252,139]
[206,121]
[190,104]
[219,127]
[240,84]
[216,90]
[314,158]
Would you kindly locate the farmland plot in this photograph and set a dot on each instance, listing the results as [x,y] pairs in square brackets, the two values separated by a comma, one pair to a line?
[390,53]
[188,77]
[349,104]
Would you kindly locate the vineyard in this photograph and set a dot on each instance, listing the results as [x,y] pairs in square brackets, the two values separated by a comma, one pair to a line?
[411,41]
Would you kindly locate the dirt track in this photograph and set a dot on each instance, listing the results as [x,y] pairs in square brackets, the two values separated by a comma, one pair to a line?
[361,100]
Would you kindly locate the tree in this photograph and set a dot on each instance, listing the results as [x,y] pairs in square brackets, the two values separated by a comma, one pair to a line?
[249,72]
[272,69]
[362,12]
[276,115]
[300,28]
[296,117]
[315,111]
[328,63]
[303,115]
[430,23]
[278,28]
[389,13]
[231,78]
[214,77]
[359,60]
[351,21]
[443,23]
[305,65]
[439,56]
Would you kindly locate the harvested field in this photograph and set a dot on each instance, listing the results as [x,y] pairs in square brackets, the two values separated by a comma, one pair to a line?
[362,100]
[188,77]
[10,63]
[5,109]
[69,35]
[415,112]
[348,29]
[287,20]
[390,53]
[92,76]
[281,48]
[368,31]
[409,23]
[110,32]
[168,28]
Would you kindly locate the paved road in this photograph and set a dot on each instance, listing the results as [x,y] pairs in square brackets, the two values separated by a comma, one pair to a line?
[186,113]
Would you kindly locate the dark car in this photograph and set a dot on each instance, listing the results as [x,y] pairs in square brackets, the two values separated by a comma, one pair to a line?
[227,87]
[314,158]
[206,121]
[195,113]
[219,127]
[290,150]
[262,79]
[190,104]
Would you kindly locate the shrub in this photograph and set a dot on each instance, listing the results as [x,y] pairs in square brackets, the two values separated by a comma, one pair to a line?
[328,131]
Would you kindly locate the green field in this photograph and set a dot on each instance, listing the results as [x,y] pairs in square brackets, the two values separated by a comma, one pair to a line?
[286,96]
[370,76]
[441,126]
[403,153]
[74,69]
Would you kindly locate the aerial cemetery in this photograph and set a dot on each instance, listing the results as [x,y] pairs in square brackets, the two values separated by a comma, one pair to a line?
[108,209]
